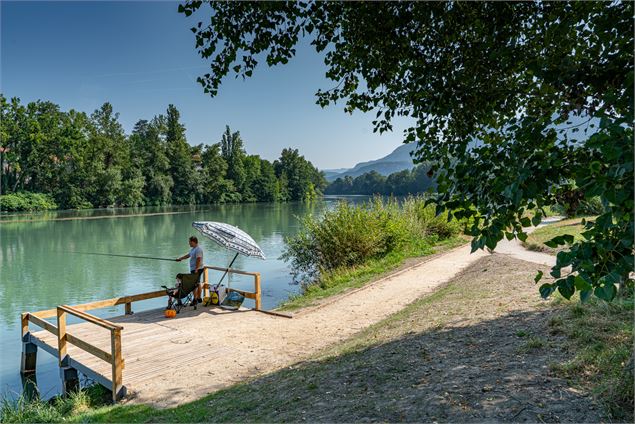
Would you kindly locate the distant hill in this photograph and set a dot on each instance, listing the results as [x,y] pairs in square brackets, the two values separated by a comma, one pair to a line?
[396,161]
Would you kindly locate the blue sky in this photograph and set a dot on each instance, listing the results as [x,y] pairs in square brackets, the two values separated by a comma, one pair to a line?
[140,57]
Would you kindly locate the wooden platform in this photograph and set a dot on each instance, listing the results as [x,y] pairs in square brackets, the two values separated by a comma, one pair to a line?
[125,351]
[153,347]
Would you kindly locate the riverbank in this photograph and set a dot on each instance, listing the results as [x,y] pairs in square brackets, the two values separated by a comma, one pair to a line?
[521,359]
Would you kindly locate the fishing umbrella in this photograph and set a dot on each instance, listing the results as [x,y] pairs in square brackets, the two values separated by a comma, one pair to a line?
[230,237]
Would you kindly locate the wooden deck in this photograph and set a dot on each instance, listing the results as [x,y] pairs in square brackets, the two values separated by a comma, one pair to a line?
[125,352]
[152,346]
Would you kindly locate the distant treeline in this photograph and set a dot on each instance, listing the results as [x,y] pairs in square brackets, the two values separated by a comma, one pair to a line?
[399,183]
[84,161]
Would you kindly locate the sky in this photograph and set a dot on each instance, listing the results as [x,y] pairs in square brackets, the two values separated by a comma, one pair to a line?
[140,57]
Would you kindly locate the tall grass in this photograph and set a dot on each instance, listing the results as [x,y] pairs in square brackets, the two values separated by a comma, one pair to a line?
[351,235]
[58,409]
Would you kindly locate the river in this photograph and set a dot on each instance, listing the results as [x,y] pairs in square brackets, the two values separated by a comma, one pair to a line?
[39,271]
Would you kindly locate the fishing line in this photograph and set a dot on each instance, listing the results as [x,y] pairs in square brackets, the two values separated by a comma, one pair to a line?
[125,256]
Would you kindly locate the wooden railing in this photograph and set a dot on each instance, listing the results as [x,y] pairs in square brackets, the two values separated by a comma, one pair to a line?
[114,356]
[255,295]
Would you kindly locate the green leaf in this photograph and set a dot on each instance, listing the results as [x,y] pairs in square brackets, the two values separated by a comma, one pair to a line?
[585,295]
[606,292]
[551,244]
[582,284]
[566,292]
[525,222]
[563,259]
[546,290]
[521,236]
[490,242]
[538,277]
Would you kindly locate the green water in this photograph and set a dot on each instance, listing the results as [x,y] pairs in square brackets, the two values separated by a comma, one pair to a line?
[37,270]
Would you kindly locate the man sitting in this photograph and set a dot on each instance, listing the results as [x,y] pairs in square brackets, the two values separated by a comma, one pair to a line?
[196,265]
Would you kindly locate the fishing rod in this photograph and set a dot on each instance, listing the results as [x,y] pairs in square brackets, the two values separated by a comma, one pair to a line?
[125,256]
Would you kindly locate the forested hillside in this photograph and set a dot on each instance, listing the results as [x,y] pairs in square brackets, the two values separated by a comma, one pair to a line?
[408,181]
[77,160]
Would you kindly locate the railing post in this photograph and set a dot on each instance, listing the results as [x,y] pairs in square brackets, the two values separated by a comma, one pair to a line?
[206,281]
[29,350]
[70,379]
[129,308]
[24,320]
[257,289]
[117,364]
[61,335]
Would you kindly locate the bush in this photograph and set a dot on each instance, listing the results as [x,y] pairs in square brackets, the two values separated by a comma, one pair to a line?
[429,222]
[26,201]
[349,235]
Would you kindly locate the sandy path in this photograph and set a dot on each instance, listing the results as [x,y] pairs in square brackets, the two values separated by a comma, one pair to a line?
[515,249]
[251,343]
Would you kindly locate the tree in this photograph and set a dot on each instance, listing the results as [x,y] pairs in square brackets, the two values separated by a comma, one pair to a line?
[180,158]
[216,188]
[302,181]
[265,186]
[150,154]
[524,95]
[107,154]
[233,152]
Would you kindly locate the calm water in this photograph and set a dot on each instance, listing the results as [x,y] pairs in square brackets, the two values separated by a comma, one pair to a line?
[37,270]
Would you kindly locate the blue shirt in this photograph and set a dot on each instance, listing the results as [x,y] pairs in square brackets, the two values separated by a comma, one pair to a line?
[196,252]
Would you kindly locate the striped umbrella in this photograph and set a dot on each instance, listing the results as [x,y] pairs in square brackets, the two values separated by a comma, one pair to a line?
[230,237]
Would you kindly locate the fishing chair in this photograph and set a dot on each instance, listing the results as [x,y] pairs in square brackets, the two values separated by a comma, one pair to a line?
[183,294]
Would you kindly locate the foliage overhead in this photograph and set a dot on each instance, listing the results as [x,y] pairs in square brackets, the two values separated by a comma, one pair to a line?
[80,161]
[513,102]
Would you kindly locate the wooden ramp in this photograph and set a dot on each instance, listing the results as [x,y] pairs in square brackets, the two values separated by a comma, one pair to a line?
[127,351]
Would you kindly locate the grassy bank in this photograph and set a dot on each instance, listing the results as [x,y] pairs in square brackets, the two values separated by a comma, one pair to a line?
[350,245]
[536,240]
[460,354]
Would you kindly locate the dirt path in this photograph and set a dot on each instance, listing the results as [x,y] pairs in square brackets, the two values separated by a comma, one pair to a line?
[480,349]
[516,250]
[250,343]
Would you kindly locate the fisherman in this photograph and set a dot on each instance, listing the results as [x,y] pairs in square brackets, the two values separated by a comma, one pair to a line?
[196,265]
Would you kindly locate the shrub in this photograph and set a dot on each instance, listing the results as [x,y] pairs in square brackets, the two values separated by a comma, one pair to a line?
[26,201]
[349,235]
[429,222]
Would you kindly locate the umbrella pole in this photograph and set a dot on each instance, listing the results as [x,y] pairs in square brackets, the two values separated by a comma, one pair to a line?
[226,271]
